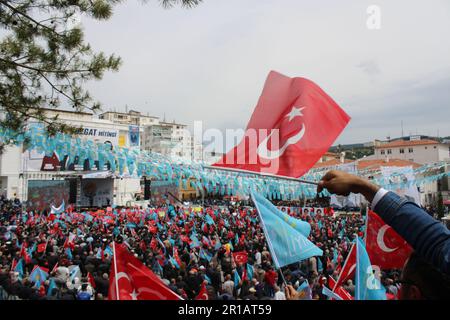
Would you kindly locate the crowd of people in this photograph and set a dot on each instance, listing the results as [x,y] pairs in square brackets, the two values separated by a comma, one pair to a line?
[175,242]
[215,245]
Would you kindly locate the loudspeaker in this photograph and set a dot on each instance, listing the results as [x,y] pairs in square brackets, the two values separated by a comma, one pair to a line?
[147,191]
[72,191]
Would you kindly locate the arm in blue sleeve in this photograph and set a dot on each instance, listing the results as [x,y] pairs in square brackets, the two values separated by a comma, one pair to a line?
[428,237]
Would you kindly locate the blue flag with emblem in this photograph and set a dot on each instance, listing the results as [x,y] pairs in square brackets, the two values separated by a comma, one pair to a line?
[367,281]
[38,275]
[287,243]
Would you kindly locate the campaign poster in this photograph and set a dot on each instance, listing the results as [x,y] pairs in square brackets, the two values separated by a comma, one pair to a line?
[134,136]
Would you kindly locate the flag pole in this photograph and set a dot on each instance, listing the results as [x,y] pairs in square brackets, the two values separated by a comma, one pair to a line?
[269,175]
[115,271]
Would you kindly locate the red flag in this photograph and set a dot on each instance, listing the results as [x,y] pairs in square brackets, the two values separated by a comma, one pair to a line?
[91,280]
[130,279]
[203,294]
[54,268]
[385,247]
[42,247]
[348,269]
[294,119]
[340,291]
[176,256]
[240,257]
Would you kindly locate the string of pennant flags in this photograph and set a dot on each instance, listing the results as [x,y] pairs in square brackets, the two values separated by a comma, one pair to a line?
[134,163]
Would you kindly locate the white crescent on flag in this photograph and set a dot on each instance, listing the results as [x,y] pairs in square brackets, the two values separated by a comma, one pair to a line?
[380,239]
[263,150]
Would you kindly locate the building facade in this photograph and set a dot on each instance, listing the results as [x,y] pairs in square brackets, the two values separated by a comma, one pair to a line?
[417,150]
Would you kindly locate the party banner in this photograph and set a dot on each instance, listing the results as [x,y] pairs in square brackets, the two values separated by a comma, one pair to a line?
[134,136]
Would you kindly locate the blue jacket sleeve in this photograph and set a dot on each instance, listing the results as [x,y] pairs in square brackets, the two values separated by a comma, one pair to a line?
[428,237]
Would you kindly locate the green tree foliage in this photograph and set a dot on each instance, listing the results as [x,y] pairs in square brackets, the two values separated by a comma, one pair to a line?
[45,61]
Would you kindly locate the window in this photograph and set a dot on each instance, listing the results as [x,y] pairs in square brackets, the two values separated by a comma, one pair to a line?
[410,150]
[402,150]
[383,152]
[389,151]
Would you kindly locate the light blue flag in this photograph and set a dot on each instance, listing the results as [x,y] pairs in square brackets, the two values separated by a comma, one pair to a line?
[249,271]
[75,272]
[237,278]
[51,286]
[38,275]
[109,251]
[335,255]
[19,268]
[69,254]
[303,227]
[174,262]
[367,284]
[330,294]
[207,279]
[204,255]
[305,291]
[218,245]
[195,243]
[209,220]
[286,243]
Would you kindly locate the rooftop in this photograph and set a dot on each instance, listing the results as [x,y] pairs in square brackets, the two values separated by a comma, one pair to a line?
[403,143]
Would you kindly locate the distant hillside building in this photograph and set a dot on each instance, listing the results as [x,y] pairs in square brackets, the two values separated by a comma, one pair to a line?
[415,149]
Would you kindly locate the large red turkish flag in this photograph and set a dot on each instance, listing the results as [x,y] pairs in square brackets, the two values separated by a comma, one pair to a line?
[385,247]
[293,125]
[130,279]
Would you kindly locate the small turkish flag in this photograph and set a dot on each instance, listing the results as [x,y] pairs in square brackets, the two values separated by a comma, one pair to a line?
[348,270]
[203,294]
[293,125]
[340,291]
[41,247]
[240,257]
[130,279]
[385,247]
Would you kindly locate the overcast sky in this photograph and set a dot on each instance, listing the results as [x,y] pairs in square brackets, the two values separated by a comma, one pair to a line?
[209,63]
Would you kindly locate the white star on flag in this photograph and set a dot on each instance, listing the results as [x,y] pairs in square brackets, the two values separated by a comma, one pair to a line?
[295,112]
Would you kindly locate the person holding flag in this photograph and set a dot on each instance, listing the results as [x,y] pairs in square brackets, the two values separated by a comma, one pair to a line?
[426,274]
